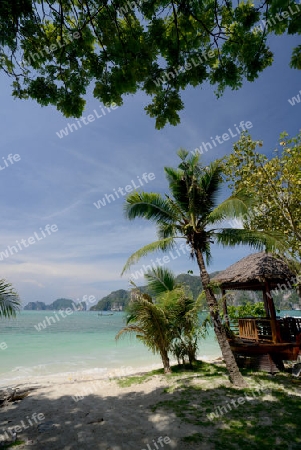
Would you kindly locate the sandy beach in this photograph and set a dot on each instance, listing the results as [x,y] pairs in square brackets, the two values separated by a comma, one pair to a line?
[186,410]
[80,411]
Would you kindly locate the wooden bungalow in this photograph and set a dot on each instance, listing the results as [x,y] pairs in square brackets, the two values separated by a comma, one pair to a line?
[271,339]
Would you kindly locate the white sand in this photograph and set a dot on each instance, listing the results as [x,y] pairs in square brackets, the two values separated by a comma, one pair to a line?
[106,417]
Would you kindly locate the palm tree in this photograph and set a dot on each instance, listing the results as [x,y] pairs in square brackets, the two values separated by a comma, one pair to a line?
[184,321]
[168,322]
[181,310]
[150,324]
[190,211]
[9,300]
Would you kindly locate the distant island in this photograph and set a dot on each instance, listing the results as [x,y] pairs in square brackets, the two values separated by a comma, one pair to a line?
[59,304]
[118,300]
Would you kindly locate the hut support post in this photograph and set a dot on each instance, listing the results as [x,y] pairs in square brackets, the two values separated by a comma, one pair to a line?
[225,309]
[270,302]
[266,304]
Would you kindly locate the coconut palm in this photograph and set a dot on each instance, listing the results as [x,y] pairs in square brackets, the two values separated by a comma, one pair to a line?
[166,323]
[150,324]
[184,321]
[9,300]
[182,312]
[191,211]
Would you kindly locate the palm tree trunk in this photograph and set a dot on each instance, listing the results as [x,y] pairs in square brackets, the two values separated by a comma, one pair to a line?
[234,373]
[165,360]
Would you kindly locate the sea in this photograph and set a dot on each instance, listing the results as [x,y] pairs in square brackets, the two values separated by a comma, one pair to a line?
[41,343]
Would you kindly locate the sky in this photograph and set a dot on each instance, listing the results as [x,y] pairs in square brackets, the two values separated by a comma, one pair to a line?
[65,245]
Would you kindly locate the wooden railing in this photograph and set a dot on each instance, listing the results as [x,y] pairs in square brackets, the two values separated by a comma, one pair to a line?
[263,329]
[289,328]
[248,329]
[256,329]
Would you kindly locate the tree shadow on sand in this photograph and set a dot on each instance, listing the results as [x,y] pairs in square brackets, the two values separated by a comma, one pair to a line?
[180,409]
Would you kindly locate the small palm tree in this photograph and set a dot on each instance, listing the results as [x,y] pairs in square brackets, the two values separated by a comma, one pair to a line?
[186,328]
[150,324]
[167,323]
[191,211]
[182,312]
[9,300]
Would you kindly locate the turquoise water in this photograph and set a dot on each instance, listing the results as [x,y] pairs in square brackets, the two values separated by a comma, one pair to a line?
[83,341]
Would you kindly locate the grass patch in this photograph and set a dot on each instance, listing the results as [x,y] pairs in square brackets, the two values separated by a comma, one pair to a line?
[138,379]
[264,419]
[201,367]
[11,444]
[198,368]
[267,419]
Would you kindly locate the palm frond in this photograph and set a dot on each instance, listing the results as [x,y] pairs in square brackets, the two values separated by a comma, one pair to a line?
[210,185]
[195,188]
[10,302]
[160,280]
[235,206]
[259,240]
[182,154]
[150,206]
[162,244]
[166,230]
[129,329]
[149,322]
[178,188]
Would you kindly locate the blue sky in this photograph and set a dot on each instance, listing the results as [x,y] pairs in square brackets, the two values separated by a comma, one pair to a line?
[57,181]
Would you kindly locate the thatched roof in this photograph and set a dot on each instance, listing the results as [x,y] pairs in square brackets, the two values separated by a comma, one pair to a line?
[252,272]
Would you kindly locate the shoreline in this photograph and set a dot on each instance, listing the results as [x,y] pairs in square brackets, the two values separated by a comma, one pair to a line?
[126,367]
[89,375]
[77,410]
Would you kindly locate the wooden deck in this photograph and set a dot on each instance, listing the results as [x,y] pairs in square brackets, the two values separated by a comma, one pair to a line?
[258,336]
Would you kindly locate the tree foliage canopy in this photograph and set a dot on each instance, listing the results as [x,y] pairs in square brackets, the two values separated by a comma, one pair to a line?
[246,310]
[54,49]
[274,184]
